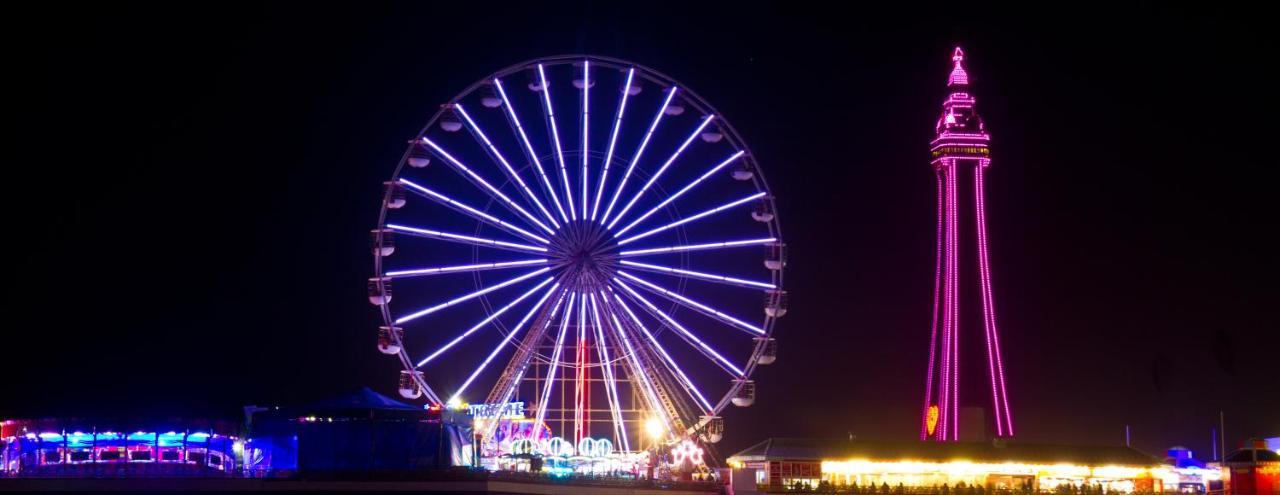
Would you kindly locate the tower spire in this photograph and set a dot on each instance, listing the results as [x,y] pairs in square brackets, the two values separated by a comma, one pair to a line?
[958,76]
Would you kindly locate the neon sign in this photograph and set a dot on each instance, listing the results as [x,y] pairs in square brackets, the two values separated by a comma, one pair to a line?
[505,410]
[686,451]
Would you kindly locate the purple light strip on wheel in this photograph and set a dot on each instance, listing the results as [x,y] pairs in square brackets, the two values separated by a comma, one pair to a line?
[505,165]
[416,272]
[710,311]
[533,155]
[673,197]
[651,394]
[654,178]
[671,363]
[692,218]
[699,247]
[555,137]
[699,275]
[613,140]
[586,121]
[480,180]
[471,296]
[555,362]
[639,152]
[465,239]
[505,340]
[729,366]
[447,201]
[490,318]
[610,381]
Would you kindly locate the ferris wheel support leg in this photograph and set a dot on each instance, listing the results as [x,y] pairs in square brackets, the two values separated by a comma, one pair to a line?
[635,158]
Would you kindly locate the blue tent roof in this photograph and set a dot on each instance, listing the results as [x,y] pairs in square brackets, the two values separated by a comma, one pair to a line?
[365,398]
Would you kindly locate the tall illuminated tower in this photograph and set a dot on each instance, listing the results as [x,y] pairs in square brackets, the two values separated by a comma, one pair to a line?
[960,157]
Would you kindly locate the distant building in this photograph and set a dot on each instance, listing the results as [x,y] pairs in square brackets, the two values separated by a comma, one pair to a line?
[784,462]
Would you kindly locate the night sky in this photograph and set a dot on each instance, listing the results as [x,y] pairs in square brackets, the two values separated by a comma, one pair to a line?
[191,191]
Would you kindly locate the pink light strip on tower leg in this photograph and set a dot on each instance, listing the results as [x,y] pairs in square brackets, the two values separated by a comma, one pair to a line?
[533,155]
[933,331]
[954,395]
[639,152]
[986,312]
[613,140]
[501,345]
[555,138]
[989,299]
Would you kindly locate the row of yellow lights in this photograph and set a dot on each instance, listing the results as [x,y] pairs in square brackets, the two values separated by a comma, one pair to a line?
[968,468]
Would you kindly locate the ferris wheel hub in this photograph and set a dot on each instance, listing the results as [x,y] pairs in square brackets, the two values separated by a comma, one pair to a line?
[586,252]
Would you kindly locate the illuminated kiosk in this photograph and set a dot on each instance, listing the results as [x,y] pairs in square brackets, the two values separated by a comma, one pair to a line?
[591,239]
[780,463]
[959,155]
[66,448]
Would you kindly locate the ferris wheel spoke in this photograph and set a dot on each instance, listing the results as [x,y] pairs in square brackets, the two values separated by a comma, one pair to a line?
[613,140]
[484,184]
[555,362]
[635,158]
[586,127]
[528,148]
[490,318]
[637,370]
[506,166]
[478,267]
[471,211]
[473,295]
[611,384]
[555,140]
[501,345]
[465,239]
[692,339]
[710,277]
[688,385]
[692,218]
[667,164]
[694,305]
[698,247]
[683,190]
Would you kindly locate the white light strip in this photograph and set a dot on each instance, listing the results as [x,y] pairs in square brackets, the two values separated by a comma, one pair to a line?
[694,304]
[505,165]
[639,152]
[447,201]
[704,276]
[586,121]
[692,218]
[463,268]
[488,319]
[555,137]
[613,140]
[654,402]
[654,178]
[465,239]
[675,324]
[505,340]
[555,362]
[615,406]
[699,247]
[471,296]
[673,197]
[533,155]
[671,363]
[476,177]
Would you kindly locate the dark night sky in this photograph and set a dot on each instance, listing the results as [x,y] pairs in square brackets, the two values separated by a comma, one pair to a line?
[193,189]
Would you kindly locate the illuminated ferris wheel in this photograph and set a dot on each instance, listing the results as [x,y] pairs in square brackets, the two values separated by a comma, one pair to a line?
[589,240]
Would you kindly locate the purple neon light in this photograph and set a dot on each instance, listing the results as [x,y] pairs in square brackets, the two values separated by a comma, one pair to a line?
[471,296]
[990,308]
[692,218]
[458,205]
[644,143]
[698,275]
[671,363]
[505,340]
[651,394]
[615,407]
[416,272]
[986,310]
[465,239]
[586,141]
[654,178]
[681,192]
[489,319]
[533,155]
[699,247]
[480,180]
[613,140]
[511,389]
[708,310]
[729,366]
[555,138]
[505,165]
[555,362]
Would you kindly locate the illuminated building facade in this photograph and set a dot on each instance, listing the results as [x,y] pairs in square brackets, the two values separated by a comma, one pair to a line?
[782,463]
[960,157]
[52,448]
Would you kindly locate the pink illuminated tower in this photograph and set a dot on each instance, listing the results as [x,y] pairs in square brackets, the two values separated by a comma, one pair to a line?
[960,157]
